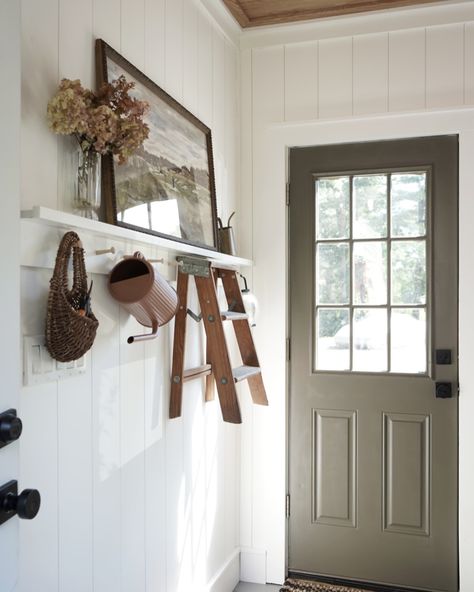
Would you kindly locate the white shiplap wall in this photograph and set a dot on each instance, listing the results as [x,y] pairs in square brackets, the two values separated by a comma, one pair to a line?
[131,500]
[304,85]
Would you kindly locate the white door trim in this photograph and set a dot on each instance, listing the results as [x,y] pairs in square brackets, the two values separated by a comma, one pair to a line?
[269,181]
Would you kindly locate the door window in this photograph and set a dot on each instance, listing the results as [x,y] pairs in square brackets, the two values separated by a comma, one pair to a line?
[371,280]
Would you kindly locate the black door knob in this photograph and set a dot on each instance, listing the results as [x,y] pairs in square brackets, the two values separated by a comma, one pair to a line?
[443,390]
[10,427]
[26,505]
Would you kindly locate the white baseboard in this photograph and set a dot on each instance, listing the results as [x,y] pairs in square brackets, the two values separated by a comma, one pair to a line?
[227,578]
[253,566]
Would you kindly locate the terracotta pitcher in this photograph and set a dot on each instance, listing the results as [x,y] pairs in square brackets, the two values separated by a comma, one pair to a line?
[144,293]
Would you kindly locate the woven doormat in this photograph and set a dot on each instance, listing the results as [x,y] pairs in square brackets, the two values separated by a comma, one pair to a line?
[311,586]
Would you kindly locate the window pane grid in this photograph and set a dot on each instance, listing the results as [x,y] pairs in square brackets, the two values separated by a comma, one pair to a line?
[369,336]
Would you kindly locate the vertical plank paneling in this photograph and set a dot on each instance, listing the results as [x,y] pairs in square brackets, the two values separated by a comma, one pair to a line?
[76,48]
[132,415]
[38,566]
[174,48]
[192,544]
[407,65]
[39,70]
[106,21]
[190,58]
[214,448]
[218,116]
[204,69]
[130,500]
[76,60]
[38,559]
[106,441]
[301,81]
[195,564]
[246,144]
[155,40]
[335,77]
[156,397]
[268,85]
[231,117]
[469,63]
[230,484]
[75,483]
[133,32]
[370,74]
[445,66]
[175,511]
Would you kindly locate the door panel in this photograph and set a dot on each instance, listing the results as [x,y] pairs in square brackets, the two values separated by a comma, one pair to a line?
[406,473]
[373,291]
[334,472]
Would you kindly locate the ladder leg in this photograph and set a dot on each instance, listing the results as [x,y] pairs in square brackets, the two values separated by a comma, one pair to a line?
[178,347]
[210,388]
[243,334]
[209,378]
[221,367]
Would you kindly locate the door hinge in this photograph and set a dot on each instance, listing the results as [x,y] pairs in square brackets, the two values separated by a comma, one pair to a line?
[287,194]
[288,349]
[288,505]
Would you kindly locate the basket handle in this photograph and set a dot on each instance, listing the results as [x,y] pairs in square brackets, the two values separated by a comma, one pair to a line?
[71,242]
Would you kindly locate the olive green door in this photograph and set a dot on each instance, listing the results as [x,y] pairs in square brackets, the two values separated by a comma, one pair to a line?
[373,387]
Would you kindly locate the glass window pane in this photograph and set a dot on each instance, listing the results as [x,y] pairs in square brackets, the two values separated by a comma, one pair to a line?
[408,340]
[409,272]
[332,339]
[370,340]
[370,206]
[408,204]
[332,208]
[370,272]
[332,273]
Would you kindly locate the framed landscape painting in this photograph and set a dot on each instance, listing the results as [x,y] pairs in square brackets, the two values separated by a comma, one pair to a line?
[167,187]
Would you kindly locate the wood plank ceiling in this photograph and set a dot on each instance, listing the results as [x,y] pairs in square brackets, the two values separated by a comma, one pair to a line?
[255,13]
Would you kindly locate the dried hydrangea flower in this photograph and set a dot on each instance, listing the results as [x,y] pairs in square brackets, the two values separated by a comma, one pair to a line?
[108,122]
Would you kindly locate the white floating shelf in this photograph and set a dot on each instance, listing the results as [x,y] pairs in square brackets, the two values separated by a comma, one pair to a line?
[65,221]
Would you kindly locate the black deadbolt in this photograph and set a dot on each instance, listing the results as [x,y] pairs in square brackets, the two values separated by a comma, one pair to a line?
[444,390]
[10,427]
[443,357]
[26,505]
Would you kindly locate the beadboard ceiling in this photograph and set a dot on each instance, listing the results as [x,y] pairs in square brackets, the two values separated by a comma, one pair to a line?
[255,13]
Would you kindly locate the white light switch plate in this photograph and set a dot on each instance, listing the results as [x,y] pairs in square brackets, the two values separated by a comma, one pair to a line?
[40,367]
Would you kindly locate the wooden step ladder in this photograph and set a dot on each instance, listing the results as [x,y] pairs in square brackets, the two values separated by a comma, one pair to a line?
[218,367]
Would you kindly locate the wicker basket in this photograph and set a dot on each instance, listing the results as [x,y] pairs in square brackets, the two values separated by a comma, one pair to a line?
[70,332]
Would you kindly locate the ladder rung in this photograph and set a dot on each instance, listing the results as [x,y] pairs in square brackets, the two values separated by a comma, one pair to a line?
[244,372]
[230,315]
[197,372]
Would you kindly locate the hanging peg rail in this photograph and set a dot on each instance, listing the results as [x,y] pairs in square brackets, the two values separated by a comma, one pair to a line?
[218,367]
[105,251]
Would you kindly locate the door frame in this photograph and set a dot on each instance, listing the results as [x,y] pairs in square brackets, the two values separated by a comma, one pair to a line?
[10,68]
[270,168]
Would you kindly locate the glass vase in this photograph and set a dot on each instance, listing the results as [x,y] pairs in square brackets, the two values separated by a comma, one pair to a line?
[87,185]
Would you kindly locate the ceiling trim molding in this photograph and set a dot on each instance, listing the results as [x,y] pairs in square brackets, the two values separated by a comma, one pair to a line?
[238,12]
[220,14]
[436,13]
